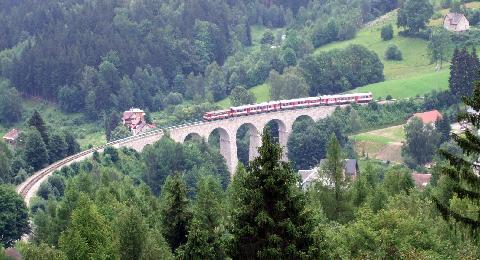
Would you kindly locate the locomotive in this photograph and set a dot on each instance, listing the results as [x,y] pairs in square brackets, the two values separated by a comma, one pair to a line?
[326,100]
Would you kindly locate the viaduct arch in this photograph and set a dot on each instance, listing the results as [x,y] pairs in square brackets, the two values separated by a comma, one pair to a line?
[228,129]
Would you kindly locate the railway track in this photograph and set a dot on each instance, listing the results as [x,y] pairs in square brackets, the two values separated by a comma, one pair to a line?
[25,189]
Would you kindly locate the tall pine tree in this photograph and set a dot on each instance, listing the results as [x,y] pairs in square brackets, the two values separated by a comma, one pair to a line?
[37,121]
[463,72]
[270,221]
[36,153]
[206,229]
[175,211]
[463,171]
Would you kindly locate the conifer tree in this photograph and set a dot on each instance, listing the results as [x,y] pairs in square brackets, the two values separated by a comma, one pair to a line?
[37,121]
[175,211]
[57,147]
[463,170]
[36,154]
[332,169]
[270,221]
[205,232]
[443,127]
[73,146]
[463,72]
[132,233]
[88,235]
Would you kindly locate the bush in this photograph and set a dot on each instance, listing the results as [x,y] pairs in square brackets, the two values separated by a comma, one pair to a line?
[393,53]
[387,32]
[267,37]
[173,99]
[446,4]
[389,97]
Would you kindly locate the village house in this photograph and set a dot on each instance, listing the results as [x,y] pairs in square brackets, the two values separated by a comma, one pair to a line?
[429,117]
[421,180]
[456,22]
[11,137]
[350,171]
[134,119]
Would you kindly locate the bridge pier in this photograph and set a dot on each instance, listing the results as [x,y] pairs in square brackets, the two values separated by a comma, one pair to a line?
[228,149]
[228,129]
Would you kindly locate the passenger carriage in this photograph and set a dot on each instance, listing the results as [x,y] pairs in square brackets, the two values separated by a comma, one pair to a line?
[325,100]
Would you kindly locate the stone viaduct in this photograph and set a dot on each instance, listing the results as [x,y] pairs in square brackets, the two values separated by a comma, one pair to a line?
[228,128]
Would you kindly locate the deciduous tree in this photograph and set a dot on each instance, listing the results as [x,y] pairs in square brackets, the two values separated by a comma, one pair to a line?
[438,46]
[241,96]
[13,216]
[413,15]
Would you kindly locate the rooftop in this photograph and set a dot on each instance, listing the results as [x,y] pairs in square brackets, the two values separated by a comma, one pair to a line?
[12,135]
[429,117]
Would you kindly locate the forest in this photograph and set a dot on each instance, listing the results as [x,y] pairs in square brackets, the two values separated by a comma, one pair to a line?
[93,56]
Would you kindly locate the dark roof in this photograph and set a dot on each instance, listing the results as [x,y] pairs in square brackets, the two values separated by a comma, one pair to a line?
[351,166]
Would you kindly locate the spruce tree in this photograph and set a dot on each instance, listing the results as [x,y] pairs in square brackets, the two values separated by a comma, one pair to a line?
[88,235]
[175,211]
[463,72]
[73,146]
[443,127]
[270,220]
[463,170]
[57,147]
[132,233]
[332,170]
[205,232]
[37,121]
[36,154]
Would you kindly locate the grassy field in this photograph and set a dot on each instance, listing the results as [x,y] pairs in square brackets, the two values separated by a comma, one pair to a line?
[86,133]
[415,59]
[381,144]
[409,87]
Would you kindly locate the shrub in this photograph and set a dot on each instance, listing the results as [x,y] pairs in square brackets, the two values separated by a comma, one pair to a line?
[267,37]
[393,53]
[389,97]
[387,32]
[446,4]
[173,98]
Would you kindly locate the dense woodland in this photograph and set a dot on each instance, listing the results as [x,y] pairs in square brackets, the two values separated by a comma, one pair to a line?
[93,56]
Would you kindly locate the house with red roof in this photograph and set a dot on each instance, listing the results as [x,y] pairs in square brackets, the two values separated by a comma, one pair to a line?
[134,119]
[11,137]
[429,117]
[421,180]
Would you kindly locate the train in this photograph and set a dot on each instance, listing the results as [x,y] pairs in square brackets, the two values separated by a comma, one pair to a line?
[326,100]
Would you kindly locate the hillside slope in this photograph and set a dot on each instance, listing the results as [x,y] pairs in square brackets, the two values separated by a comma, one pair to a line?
[412,76]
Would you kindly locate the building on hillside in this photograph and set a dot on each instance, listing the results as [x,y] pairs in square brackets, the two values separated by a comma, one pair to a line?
[429,117]
[11,137]
[421,180]
[350,171]
[456,22]
[134,119]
